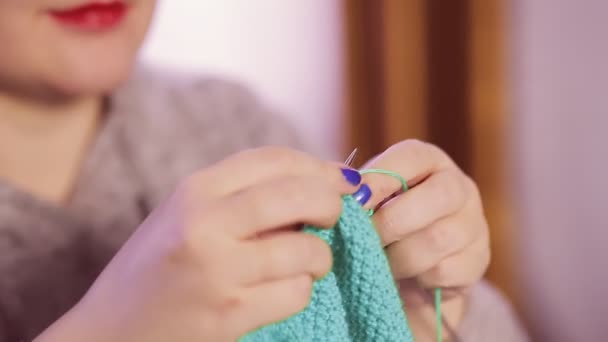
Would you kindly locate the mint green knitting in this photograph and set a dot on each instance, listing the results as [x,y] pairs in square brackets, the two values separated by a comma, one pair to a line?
[357,301]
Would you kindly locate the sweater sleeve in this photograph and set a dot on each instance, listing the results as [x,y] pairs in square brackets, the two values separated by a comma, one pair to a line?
[490,318]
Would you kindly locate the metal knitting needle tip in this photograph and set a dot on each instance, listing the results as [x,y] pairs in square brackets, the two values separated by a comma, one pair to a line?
[351,158]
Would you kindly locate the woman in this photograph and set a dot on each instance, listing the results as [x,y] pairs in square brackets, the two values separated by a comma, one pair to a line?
[167,180]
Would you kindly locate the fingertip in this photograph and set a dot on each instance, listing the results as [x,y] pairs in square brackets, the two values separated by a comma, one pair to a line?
[363,194]
[304,284]
[323,259]
[302,289]
[352,176]
[343,177]
[329,264]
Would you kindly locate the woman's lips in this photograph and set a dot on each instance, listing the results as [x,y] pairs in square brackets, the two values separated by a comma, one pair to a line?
[94,16]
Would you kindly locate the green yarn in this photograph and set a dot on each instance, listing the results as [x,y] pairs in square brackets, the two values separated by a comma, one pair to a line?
[438,317]
[395,175]
[357,301]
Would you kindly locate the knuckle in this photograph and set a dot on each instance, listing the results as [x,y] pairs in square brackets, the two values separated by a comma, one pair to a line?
[268,202]
[470,184]
[422,152]
[483,256]
[307,198]
[272,260]
[441,194]
[403,260]
[184,249]
[473,190]
[308,247]
[260,209]
[451,193]
[312,253]
[441,275]
[187,237]
[276,157]
[181,242]
[414,149]
[388,225]
[293,190]
[227,302]
[438,154]
[425,151]
[285,196]
[185,252]
[486,261]
[434,149]
[320,251]
[333,207]
[461,187]
[420,147]
[188,190]
[411,144]
[437,238]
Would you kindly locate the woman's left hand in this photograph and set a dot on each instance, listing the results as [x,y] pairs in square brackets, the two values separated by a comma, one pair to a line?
[435,234]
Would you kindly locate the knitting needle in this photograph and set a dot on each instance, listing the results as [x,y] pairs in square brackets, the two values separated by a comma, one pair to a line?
[351,158]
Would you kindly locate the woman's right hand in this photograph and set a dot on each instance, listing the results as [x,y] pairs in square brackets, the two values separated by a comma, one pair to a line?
[221,257]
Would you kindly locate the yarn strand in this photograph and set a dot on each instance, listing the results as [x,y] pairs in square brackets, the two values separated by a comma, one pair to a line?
[438,322]
[405,188]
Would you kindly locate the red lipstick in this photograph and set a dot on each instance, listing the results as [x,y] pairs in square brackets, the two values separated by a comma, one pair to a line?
[93,16]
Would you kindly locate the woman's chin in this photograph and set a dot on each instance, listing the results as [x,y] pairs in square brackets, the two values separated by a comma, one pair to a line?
[99,80]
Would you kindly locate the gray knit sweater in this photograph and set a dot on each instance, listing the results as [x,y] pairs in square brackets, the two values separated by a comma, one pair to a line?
[158,129]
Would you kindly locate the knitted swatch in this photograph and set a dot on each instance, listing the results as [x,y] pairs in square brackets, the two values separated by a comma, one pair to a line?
[357,301]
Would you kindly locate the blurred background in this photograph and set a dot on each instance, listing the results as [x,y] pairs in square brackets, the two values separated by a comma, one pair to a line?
[515,90]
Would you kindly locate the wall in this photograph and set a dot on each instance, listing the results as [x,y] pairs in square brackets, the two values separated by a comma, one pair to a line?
[560,91]
[290,52]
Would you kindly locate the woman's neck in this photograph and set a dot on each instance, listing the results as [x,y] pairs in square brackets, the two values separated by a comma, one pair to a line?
[43,145]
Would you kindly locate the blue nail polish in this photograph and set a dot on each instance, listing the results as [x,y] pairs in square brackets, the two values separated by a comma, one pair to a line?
[363,194]
[352,176]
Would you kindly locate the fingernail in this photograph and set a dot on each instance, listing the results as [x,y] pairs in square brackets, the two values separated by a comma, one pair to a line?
[352,176]
[363,194]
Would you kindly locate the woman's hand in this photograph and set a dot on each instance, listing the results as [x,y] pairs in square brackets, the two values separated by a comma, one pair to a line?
[436,234]
[222,257]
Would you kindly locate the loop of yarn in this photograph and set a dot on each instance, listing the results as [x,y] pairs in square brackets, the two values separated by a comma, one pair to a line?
[395,175]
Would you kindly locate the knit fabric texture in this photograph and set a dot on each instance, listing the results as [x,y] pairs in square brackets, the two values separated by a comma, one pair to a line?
[357,301]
